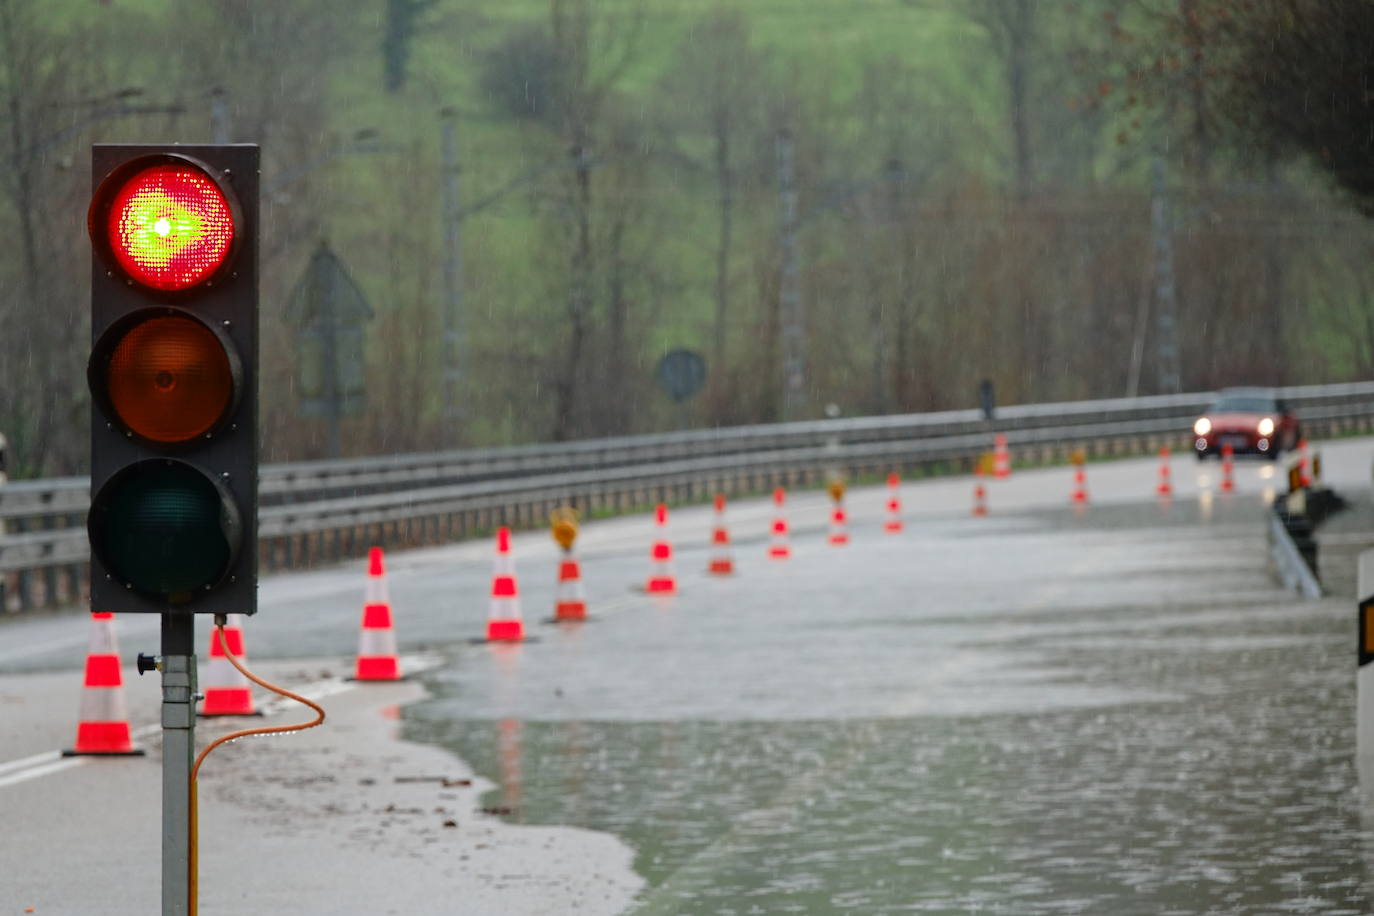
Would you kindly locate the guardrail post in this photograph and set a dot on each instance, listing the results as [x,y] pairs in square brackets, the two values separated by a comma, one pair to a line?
[1364,673]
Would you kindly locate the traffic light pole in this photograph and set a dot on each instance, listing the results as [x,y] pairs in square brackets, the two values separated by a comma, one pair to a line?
[178,751]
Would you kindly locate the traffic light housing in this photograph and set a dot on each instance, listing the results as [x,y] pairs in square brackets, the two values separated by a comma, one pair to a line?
[173,379]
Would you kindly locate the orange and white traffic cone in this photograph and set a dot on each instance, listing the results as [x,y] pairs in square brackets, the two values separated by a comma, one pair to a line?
[1001,458]
[1079,497]
[1304,463]
[779,548]
[839,526]
[722,560]
[1165,489]
[894,504]
[104,725]
[980,492]
[661,580]
[570,598]
[1228,483]
[227,691]
[504,623]
[377,658]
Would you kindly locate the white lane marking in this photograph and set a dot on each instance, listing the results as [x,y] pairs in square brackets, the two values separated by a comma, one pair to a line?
[48,762]
[24,762]
[62,763]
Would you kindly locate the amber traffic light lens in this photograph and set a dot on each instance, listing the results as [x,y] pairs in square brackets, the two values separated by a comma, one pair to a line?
[168,379]
[170,226]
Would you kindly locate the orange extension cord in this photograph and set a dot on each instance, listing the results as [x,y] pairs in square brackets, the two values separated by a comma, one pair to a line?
[233,736]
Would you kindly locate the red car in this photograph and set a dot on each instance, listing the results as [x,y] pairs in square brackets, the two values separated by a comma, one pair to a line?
[1250,420]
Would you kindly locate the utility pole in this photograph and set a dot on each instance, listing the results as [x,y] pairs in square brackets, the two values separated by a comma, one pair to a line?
[895,182]
[1166,305]
[333,394]
[219,115]
[790,317]
[452,355]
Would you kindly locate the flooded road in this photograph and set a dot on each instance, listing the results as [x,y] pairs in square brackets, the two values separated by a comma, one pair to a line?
[1114,712]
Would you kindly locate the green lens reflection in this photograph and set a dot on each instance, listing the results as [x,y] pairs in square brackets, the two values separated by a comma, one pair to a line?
[164,528]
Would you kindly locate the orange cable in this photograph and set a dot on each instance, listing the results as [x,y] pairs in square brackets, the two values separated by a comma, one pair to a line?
[242,733]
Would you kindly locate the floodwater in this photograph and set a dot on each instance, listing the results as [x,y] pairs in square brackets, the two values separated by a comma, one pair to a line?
[1107,713]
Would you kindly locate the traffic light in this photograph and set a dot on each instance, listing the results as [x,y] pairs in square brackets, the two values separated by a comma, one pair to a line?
[173,379]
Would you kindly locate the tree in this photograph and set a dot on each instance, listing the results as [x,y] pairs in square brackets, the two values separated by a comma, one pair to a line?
[54,88]
[521,74]
[592,56]
[715,87]
[400,31]
[1298,80]
[1011,28]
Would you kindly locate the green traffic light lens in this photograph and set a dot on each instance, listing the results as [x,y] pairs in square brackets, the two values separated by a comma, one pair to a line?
[165,529]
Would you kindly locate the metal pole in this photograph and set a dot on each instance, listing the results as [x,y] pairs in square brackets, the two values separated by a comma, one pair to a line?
[452,354]
[219,115]
[895,181]
[1166,312]
[178,750]
[791,319]
[333,394]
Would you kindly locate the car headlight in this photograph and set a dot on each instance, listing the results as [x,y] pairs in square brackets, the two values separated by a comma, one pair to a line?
[1202,427]
[1266,427]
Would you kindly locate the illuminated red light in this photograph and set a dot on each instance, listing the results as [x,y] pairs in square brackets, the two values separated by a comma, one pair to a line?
[170,227]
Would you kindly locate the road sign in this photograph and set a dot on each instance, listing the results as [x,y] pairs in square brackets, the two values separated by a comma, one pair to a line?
[681,373]
[173,379]
[329,311]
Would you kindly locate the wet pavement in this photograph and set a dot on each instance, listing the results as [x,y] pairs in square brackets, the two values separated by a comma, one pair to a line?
[1043,711]
[1107,712]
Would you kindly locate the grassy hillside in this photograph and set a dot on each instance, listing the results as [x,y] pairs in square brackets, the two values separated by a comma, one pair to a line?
[913,291]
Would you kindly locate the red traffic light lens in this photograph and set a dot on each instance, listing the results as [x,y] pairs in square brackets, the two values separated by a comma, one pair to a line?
[170,226]
[167,379]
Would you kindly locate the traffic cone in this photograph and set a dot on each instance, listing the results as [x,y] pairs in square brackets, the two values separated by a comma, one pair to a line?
[1080,486]
[894,504]
[778,546]
[104,725]
[839,526]
[662,581]
[570,599]
[504,623]
[1166,487]
[1001,458]
[980,492]
[377,658]
[1304,463]
[722,560]
[1228,483]
[227,691]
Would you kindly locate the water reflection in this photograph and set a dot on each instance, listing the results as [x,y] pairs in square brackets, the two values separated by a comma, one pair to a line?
[1065,748]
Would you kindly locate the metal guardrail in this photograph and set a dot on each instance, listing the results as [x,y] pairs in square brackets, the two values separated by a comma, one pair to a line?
[326,510]
[1293,570]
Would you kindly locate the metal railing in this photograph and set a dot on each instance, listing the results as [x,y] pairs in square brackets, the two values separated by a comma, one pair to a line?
[324,511]
[1293,570]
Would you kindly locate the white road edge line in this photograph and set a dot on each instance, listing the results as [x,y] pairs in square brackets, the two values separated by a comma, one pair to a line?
[62,763]
[48,762]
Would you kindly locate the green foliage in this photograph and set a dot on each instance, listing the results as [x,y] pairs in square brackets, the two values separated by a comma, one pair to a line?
[924,267]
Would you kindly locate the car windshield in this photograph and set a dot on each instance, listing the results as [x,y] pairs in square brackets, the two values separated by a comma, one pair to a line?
[1243,404]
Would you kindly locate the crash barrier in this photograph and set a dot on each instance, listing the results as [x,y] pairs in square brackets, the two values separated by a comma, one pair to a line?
[1293,554]
[1292,530]
[325,511]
